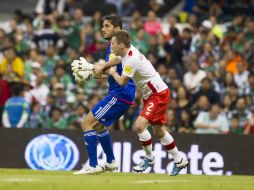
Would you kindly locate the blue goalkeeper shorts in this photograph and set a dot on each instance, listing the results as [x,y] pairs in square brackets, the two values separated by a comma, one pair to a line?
[109,110]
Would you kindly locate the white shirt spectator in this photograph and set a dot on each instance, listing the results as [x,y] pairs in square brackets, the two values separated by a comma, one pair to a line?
[192,80]
[39,93]
[221,124]
[242,81]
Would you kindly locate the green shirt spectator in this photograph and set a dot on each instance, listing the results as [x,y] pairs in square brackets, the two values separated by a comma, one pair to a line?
[56,121]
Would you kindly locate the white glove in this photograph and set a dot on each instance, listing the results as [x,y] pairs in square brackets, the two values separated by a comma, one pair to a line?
[81,64]
[82,76]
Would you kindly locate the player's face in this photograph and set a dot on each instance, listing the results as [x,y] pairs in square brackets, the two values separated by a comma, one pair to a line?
[116,48]
[107,30]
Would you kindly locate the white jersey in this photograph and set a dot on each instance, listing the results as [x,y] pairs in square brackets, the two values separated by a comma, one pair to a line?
[139,68]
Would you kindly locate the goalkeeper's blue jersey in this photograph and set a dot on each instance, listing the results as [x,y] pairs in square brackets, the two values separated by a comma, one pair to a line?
[124,93]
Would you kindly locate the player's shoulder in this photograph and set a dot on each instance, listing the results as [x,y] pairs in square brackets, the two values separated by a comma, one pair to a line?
[133,54]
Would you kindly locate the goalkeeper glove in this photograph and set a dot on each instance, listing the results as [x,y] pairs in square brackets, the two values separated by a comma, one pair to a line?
[81,64]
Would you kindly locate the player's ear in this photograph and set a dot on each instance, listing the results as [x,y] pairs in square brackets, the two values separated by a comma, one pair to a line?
[117,28]
[121,45]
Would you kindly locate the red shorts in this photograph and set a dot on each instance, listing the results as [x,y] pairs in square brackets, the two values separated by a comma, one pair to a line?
[155,107]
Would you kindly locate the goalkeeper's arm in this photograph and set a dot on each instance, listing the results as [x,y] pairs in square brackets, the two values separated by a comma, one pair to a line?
[102,67]
[104,74]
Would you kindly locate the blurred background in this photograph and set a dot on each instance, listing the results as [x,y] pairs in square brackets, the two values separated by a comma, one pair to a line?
[203,50]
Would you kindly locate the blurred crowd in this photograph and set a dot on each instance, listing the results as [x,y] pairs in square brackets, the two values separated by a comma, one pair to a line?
[204,53]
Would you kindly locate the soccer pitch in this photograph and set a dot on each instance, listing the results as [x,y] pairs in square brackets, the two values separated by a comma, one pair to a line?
[21,179]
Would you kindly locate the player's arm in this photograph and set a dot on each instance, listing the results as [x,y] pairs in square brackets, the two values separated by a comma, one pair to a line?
[100,68]
[121,80]
[128,72]
[102,76]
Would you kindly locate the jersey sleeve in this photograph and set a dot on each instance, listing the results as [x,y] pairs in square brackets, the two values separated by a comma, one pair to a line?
[129,68]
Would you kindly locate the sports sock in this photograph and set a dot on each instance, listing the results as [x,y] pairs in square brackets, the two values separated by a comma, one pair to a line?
[169,144]
[106,144]
[146,142]
[90,138]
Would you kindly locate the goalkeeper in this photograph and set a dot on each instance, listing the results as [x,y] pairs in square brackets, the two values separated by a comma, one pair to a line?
[106,111]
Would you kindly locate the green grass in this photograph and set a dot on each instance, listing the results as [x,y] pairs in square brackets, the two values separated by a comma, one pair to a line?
[20,179]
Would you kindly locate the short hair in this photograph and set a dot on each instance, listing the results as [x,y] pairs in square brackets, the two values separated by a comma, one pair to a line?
[17,89]
[122,36]
[114,20]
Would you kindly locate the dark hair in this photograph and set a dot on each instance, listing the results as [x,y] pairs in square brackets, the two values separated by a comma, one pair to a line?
[174,32]
[188,30]
[206,79]
[55,109]
[114,20]
[122,36]
[17,89]
[47,23]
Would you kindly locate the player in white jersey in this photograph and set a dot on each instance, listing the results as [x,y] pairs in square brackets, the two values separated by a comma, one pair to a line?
[156,97]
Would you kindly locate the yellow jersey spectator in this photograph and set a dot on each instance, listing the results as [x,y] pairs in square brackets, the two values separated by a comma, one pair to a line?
[11,63]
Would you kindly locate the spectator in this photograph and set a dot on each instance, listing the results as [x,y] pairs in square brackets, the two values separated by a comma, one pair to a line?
[11,63]
[56,120]
[227,104]
[172,124]
[21,44]
[235,127]
[51,59]
[202,104]
[249,54]
[241,78]
[250,87]
[127,8]
[174,48]
[29,72]
[152,26]
[162,70]
[5,91]
[227,81]
[240,112]
[46,109]
[96,21]
[60,101]
[158,6]
[129,118]
[206,89]
[40,91]
[16,109]
[238,43]
[182,101]
[47,6]
[140,42]
[186,39]
[35,69]
[35,118]
[185,124]
[62,77]
[249,126]
[192,79]
[232,59]
[76,32]
[212,122]
[135,23]
[45,37]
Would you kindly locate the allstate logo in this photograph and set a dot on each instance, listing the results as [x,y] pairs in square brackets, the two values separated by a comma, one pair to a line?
[51,152]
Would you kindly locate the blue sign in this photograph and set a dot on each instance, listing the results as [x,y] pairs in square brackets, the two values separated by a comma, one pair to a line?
[51,152]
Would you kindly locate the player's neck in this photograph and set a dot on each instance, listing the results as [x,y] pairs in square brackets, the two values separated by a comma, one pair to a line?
[125,51]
